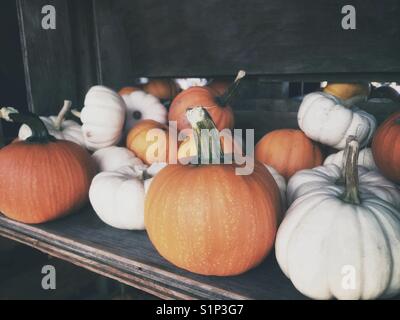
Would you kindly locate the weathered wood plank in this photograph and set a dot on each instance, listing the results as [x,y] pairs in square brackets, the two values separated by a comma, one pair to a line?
[280,40]
[129,257]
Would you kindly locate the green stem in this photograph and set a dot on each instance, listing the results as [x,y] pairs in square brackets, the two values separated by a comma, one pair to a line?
[232,90]
[205,134]
[39,130]
[351,194]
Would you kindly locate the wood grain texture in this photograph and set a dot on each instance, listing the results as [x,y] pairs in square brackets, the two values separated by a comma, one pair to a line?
[282,39]
[129,257]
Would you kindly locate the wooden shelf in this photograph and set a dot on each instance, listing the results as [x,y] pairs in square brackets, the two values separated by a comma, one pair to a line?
[129,257]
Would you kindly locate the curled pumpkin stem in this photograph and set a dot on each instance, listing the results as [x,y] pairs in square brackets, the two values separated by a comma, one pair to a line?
[61,115]
[231,92]
[351,194]
[76,113]
[39,130]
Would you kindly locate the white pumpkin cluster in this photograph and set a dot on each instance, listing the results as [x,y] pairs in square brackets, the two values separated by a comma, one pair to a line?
[118,192]
[106,117]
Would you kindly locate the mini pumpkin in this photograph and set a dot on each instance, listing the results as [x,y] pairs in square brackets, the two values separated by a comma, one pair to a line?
[142,106]
[386,148]
[42,178]
[324,119]
[118,196]
[288,151]
[102,117]
[216,105]
[113,158]
[149,149]
[165,89]
[341,242]
[58,127]
[208,220]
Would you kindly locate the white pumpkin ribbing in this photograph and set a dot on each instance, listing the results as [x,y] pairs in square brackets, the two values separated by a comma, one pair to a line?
[365,159]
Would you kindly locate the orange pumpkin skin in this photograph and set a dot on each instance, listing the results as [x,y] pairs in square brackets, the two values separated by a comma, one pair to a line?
[45,181]
[127,90]
[200,96]
[386,148]
[165,89]
[288,151]
[208,220]
[136,140]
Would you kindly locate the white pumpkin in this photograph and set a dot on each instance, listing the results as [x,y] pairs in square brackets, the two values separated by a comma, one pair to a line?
[118,196]
[344,245]
[113,158]
[371,182]
[103,118]
[281,182]
[141,105]
[365,159]
[324,118]
[58,127]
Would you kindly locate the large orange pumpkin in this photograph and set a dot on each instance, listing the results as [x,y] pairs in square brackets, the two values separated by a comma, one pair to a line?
[386,147]
[216,105]
[139,141]
[208,220]
[165,89]
[288,151]
[42,178]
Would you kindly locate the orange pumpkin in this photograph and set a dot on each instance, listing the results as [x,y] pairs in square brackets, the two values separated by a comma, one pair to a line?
[216,105]
[127,90]
[386,148]
[208,220]
[288,151]
[219,85]
[42,178]
[165,89]
[346,91]
[139,141]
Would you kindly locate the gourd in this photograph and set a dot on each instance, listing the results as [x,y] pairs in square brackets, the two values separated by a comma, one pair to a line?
[42,178]
[365,159]
[149,148]
[288,151]
[216,105]
[349,93]
[113,158]
[206,219]
[117,196]
[165,89]
[386,148]
[58,127]
[341,242]
[140,106]
[325,119]
[102,117]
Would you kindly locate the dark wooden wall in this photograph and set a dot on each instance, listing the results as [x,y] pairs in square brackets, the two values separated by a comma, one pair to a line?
[113,42]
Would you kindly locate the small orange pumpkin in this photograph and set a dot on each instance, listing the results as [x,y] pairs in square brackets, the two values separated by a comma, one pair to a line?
[165,89]
[288,151]
[42,178]
[127,90]
[208,220]
[139,141]
[386,148]
[216,105]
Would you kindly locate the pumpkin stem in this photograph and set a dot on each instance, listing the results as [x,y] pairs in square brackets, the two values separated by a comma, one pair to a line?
[206,135]
[39,130]
[61,115]
[385,92]
[232,90]
[350,168]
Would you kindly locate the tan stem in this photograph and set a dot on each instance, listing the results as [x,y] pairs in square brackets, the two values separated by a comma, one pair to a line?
[205,133]
[76,113]
[61,115]
[5,113]
[351,194]
[232,90]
